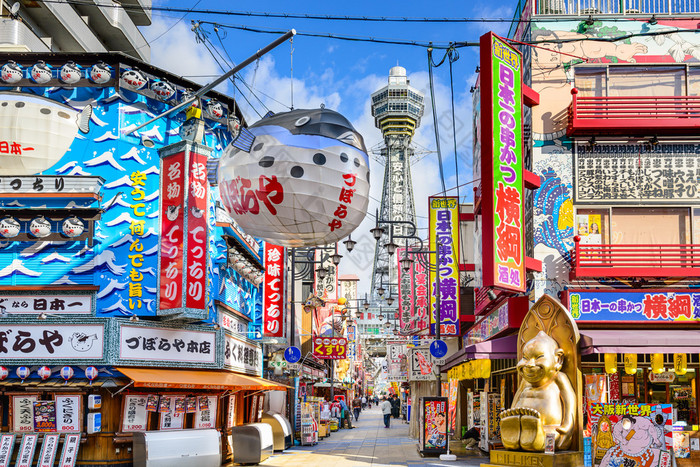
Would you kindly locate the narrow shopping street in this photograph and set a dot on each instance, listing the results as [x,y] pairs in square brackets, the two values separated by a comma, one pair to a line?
[369,444]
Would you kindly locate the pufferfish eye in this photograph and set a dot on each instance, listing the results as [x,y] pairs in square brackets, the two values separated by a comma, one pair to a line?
[349,138]
[302,121]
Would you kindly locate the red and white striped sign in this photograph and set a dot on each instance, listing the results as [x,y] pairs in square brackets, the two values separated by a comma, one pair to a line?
[196,254]
[273,291]
[172,226]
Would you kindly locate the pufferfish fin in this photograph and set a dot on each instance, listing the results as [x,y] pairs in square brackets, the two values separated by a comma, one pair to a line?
[269,113]
[84,119]
[244,141]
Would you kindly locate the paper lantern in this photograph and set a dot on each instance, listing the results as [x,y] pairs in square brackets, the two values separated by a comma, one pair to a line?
[72,227]
[67,373]
[91,373]
[70,73]
[11,73]
[657,363]
[44,373]
[40,72]
[611,363]
[296,179]
[486,369]
[630,363]
[9,227]
[44,125]
[100,73]
[4,373]
[22,372]
[134,79]
[680,363]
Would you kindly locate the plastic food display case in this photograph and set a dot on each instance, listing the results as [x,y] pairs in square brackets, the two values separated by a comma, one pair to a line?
[281,430]
[251,444]
[177,448]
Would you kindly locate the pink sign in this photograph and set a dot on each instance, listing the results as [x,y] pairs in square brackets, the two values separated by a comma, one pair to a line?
[273,292]
[196,254]
[172,228]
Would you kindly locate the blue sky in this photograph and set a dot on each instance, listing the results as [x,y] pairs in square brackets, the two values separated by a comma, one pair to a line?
[342,75]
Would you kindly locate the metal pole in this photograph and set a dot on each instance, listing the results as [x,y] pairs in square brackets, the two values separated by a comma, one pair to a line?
[332,380]
[437,308]
[220,79]
[292,312]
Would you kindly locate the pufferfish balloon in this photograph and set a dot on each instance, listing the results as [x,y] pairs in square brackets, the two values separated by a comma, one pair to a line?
[296,179]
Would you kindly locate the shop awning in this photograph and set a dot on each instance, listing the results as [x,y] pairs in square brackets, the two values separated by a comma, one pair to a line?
[198,379]
[494,349]
[640,341]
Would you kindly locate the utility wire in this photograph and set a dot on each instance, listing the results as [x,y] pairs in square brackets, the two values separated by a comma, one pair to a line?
[434,112]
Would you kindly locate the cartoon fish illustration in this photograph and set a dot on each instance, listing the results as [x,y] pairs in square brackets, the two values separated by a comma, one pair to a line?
[214,109]
[100,73]
[40,227]
[11,72]
[163,90]
[196,212]
[40,130]
[298,178]
[72,227]
[9,227]
[41,72]
[172,212]
[70,73]
[134,79]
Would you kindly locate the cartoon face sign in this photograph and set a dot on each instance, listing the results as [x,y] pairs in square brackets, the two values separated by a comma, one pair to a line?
[41,72]
[100,73]
[9,227]
[133,79]
[163,90]
[11,73]
[40,227]
[81,341]
[299,178]
[172,212]
[69,73]
[72,227]
[214,109]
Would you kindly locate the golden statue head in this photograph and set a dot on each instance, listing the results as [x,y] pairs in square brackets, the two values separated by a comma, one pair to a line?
[541,361]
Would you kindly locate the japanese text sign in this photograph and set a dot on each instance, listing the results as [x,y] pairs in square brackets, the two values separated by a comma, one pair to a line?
[444,238]
[242,355]
[172,226]
[48,450]
[680,306]
[70,450]
[169,345]
[45,416]
[135,415]
[7,445]
[49,303]
[196,251]
[413,294]
[51,341]
[68,414]
[273,291]
[503,253]
[330,348]
[26,450]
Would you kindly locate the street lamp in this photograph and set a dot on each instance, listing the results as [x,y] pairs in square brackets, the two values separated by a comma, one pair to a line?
[335,257]
[389,300]
[377,232]
[391,247]
[358,314]
[380,291]
[322,272]
[387,325]
[406,262]
[349,244]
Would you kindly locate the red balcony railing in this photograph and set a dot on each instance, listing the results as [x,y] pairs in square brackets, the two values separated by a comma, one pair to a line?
[633,115]
[635,260]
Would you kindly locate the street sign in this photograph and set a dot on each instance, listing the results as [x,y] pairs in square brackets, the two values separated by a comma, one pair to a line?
[438,349]
[292,354]
[277,364]
[294,366]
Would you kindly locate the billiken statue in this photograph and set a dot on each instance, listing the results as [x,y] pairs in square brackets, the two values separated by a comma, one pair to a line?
[545,401]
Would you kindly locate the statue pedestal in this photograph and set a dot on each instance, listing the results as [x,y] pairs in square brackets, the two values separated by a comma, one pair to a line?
[500,458]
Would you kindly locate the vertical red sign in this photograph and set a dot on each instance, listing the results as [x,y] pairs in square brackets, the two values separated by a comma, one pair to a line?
[196,255]
[172,226]
[273,291]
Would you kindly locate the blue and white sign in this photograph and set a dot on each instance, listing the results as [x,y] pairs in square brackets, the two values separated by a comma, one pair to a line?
[639,306]
[292,354]
[438,348]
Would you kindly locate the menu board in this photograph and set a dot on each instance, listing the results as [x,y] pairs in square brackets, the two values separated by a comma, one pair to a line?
[68,413]
[48,450]
[206,416]
[45,416]
[23,412]
[26,450]
[170,420]
[135,416]
[7,445]
[70,450]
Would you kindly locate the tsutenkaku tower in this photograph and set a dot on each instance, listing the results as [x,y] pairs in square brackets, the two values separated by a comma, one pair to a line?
[397,109]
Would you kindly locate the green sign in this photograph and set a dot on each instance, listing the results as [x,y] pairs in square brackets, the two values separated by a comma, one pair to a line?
[508,225]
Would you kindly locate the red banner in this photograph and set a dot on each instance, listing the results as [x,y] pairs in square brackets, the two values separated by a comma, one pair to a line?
[273,291]
[330,348]
[196,255]
[172,220]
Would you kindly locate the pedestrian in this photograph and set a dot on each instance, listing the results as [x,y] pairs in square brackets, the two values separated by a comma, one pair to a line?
[346,413]
[395,406]
[356,407]
[364,402]
[386,411]
[335,409]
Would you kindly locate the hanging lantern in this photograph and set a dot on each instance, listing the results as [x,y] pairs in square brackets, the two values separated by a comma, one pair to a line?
[100,73]
[657,363]
[486,369]
[40,72]
[70,73]
[91,373]
[630,363]
[40,227]
[296,179]
[680,363]
[9,227]
[44,373]
[23,372]
[134,79]
[11,73]
[4,373]
[72,227]
[611,363]
[163,90]
[67,373]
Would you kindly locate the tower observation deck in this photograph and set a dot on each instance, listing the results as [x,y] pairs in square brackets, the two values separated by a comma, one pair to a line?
[397,109]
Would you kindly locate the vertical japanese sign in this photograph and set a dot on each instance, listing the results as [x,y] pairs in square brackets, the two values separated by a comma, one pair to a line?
[273,291]
[406,294]
[444,238]
[503,253]
[172,227]
[136,229]
[196,251]
[327,288]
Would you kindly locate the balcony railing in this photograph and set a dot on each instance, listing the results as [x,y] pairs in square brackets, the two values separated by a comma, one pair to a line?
[632,115]
[635,260]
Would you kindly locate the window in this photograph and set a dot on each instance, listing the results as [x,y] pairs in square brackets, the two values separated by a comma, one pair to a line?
[635,226]
[637,80]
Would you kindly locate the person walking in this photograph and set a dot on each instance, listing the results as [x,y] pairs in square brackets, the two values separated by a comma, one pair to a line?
[335,410]
[357,407]
[364,402]
[395,406]
[346,413]
[385,405]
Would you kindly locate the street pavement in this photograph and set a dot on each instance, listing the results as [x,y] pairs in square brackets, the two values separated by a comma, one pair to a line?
[369,444]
